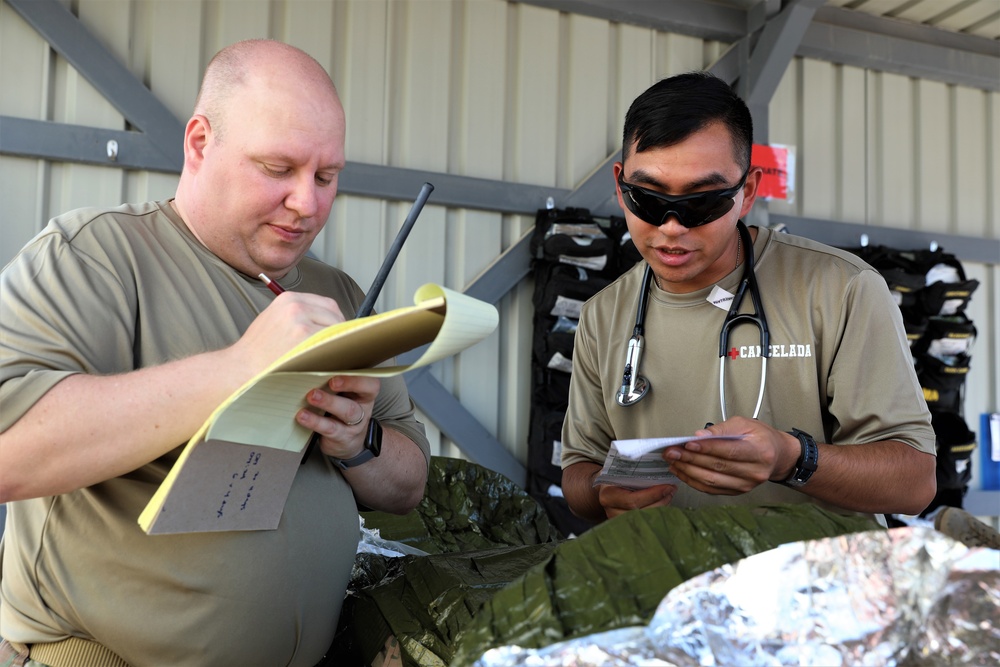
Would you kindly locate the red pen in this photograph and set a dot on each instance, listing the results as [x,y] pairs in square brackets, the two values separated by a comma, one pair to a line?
[272,284]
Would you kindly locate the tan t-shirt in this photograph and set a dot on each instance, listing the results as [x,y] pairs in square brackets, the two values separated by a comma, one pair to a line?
[108,292]
[840,368]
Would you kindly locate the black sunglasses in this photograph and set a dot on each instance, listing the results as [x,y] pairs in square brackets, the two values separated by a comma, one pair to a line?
[691,210]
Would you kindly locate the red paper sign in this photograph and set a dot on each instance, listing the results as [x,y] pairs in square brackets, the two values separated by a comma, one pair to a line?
[775,163]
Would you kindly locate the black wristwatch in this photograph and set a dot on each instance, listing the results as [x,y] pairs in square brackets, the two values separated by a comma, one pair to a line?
[373,447]
[808,460]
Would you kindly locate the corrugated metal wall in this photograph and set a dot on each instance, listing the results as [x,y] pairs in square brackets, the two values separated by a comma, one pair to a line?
[508,91]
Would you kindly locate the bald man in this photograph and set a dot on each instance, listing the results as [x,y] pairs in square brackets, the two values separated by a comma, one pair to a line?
[123,330]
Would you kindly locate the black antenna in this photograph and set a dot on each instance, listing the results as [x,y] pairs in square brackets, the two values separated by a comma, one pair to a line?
[366,306]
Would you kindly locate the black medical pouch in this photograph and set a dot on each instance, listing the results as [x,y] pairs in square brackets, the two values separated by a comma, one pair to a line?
[571,236]
[942,382]
[946,299]
[561,289]
[955,445]
[914,331]
[945,337]
[940,297]
[549,388]
[554,350]
[904,287]
[545,454]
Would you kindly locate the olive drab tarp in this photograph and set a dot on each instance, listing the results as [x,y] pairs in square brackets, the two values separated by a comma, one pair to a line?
[496,573]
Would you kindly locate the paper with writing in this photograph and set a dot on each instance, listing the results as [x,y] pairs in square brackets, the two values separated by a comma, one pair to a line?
[259,418]
[639,463]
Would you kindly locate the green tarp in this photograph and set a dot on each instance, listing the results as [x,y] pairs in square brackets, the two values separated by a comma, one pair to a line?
[498,574]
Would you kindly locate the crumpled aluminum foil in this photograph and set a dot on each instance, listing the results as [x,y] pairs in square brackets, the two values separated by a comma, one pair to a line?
[908,597]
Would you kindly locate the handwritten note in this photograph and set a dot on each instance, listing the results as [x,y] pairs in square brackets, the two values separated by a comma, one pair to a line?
[240,486]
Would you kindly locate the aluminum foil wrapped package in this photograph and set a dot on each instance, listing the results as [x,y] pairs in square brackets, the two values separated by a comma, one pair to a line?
[902,598]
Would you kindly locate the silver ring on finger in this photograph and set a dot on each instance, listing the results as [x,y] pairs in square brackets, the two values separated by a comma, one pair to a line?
[360,419]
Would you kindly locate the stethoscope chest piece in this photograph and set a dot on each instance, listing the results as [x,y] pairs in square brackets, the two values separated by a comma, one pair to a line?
[634,386]
[635,393]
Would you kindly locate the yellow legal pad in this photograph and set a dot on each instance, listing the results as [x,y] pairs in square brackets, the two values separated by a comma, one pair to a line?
[237,470]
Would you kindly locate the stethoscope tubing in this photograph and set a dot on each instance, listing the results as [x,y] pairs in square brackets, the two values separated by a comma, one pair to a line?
[634,387]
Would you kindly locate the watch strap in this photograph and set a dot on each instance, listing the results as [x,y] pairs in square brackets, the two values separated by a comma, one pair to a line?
[365,456]
[372,448]
[807,462]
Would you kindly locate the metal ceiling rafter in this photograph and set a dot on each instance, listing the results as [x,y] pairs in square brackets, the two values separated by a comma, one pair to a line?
[836,35]
[779,40]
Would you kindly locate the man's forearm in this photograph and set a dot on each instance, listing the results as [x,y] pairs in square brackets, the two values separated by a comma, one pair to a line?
[88,429]
[888,477]
[581,496]
[395,480]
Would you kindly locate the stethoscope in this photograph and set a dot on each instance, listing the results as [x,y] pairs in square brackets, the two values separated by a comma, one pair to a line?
[635,387]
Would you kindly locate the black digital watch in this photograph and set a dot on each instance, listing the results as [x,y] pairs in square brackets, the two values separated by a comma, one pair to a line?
[807,462]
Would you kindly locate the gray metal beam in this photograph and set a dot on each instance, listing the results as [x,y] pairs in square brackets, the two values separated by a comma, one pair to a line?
[369,180]
[504,273]
[64,32]
[24,137]
[686,17]
[848,235]
[856,45]
[508,269]
[909,31]
[461,427]
[60,142]
[779,40]
[836,35]
[773,50]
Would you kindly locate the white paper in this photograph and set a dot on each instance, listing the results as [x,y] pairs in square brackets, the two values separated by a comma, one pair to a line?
[644,466]
[633,449]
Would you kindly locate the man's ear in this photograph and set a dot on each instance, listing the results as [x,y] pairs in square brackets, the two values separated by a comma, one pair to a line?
[616,170]
[196,137]
[750,189]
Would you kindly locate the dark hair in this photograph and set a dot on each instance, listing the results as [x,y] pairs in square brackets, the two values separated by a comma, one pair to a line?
[673,109]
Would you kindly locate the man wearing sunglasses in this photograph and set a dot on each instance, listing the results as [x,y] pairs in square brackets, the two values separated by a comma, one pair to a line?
[842,422]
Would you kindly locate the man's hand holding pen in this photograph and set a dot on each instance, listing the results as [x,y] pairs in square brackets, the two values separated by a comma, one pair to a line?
[286,322]
[340,410]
